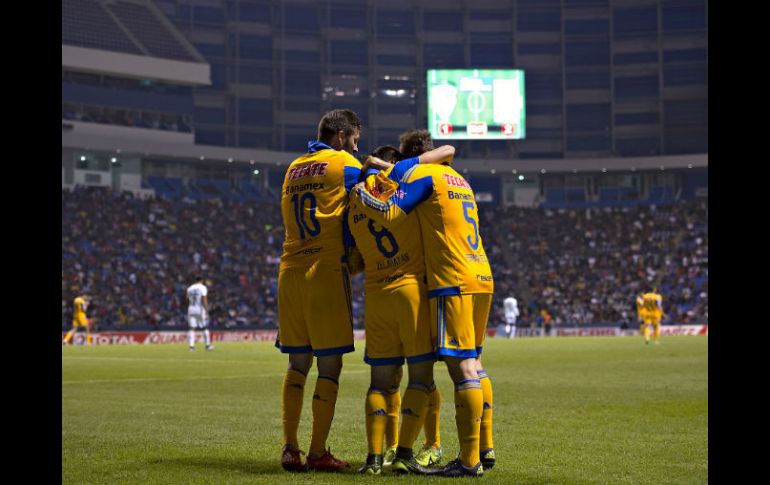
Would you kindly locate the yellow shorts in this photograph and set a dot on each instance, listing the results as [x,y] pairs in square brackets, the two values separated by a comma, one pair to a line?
[80,322]
[398,325]
[459,324]
[314,310]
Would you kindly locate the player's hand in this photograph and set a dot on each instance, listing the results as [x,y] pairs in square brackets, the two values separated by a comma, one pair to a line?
[374,162]
[355,260]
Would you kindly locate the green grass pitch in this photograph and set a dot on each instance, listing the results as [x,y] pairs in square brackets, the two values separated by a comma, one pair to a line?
[572,410]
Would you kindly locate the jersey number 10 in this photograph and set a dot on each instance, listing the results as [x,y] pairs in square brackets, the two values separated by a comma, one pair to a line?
[299,215]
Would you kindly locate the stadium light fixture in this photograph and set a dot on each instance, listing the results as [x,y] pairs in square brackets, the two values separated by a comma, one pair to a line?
[114,160]
[513,171]
[521,177]
[662,168]
[202,157]
[689,165]
[604,170]
[82,158]
[256,172]
[493,171]
[230,160]
[542,170]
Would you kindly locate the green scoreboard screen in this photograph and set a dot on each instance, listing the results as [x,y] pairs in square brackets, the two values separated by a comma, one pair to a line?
[476,104]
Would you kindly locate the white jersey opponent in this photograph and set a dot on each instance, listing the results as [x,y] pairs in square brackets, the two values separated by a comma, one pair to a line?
[195,294]
[511,308]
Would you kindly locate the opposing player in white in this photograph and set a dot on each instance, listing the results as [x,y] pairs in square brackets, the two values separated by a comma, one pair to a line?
[511,308]
[198,313]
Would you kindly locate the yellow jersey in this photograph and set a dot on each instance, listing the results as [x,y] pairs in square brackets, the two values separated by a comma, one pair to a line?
[313,198]
[639,307]
[653,303]
[446,208]
[79,312]
[393,256]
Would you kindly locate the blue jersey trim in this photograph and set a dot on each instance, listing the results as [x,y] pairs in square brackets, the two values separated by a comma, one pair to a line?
[448,291]
[415,359]
[376,361]
[465,354]
[317,146]
[348,240]
[413,194]
[352,175]
[334,351]
[402,167]
[478,351]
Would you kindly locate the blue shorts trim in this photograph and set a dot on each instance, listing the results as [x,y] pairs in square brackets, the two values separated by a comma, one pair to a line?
[303,349]
[376,361]
[334,351]
[466,354]
[478,351]
[421,358]
[451,290]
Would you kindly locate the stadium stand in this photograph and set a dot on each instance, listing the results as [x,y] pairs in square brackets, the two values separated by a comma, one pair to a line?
[137,257]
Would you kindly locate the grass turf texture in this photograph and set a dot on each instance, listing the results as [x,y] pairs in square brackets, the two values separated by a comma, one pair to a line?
[571,410]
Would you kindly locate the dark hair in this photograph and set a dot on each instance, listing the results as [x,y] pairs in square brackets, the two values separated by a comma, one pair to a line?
[387,153]
[338,120]
[198,277]
[415,142]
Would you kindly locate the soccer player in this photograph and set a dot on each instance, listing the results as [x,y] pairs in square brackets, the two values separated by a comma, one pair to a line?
[460,287]
[79,319]
[314,306]
[414,143]
[653,306]
[198,313]
[511,308]
[397,321]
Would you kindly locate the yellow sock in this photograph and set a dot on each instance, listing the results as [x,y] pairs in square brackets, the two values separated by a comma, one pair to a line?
[469,404]
[393,399]
[88,338]
[656,333]
[413,409]
[647,333]
[376,419]
[485,438]
[68,337]
[291,405]
[324,400]
[432,433]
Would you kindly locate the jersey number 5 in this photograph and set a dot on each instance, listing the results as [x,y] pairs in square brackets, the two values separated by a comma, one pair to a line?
[299,215]
[468,206]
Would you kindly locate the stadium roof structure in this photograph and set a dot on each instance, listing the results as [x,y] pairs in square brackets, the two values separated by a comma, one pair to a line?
[130,38]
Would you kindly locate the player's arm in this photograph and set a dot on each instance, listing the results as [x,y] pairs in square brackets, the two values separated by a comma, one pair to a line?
[443,155]
[352,173]
[394,210]
[353,257]
[205,300]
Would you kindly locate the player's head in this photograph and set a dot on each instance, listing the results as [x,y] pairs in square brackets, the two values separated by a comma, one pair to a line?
[340,129]
[387,153]
[199,278]
[413,143]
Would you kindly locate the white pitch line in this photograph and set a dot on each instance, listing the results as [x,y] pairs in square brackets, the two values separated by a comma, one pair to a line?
[94,357]
[154,379]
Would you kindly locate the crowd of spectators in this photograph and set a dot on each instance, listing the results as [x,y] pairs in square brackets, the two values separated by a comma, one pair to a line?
[127,117]
[136,257]
[586,266]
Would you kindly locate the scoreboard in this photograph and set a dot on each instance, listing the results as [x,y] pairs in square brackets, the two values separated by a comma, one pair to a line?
[476,104]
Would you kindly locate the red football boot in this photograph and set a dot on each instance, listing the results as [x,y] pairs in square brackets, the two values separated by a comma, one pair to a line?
[326,463]
[291,460]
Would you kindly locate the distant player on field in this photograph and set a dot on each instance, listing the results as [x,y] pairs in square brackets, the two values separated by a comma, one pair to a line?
[511,308]
[397,321]
[653,314]
[79,319]
[460,287]
[198,313]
